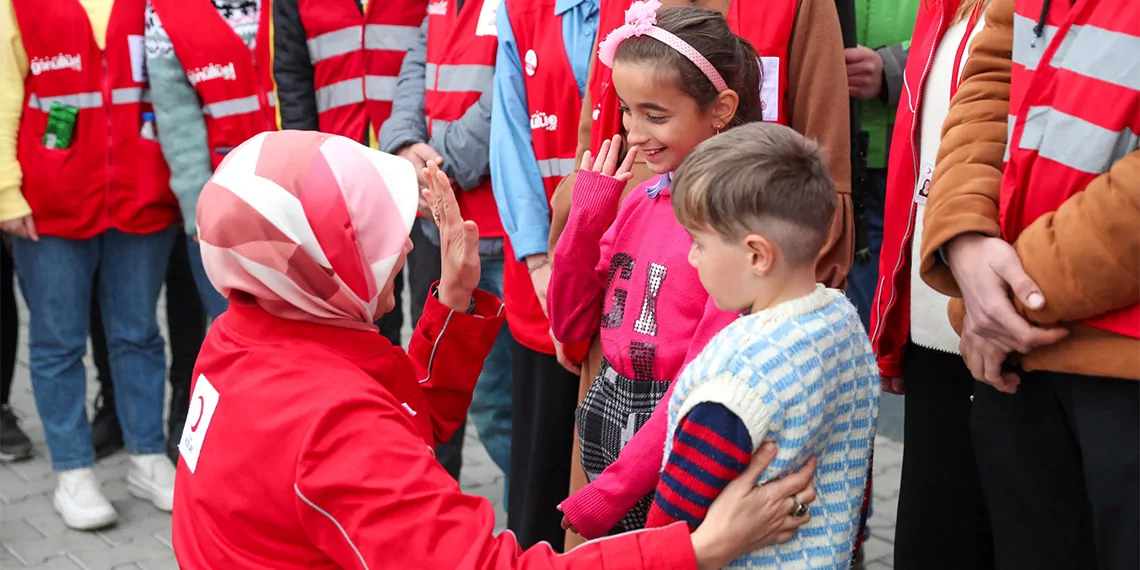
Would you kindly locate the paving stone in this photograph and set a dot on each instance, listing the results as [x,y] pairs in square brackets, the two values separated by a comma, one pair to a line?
[18,529]
[15,491]
[125,556]
[139,530]
[40,550]
[55,563]
[875,549]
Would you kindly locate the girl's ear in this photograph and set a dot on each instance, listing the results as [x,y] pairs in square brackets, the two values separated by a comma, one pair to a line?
[724,108]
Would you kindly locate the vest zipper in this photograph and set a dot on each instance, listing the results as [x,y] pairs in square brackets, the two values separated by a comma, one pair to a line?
[107,112]
[914,159]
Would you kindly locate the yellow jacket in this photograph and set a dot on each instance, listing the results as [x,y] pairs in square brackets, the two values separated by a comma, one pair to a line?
[13,72]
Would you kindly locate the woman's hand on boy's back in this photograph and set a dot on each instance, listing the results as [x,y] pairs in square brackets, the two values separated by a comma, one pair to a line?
[606,162]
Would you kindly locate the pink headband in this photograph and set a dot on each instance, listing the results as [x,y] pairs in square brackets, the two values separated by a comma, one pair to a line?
[639,21]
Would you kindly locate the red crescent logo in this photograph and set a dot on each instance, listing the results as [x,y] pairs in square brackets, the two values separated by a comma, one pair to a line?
[201,411]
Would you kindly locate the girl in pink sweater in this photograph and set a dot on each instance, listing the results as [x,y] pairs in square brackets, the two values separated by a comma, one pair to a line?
[682,76]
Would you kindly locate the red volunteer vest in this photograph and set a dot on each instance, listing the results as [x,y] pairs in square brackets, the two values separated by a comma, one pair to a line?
[109,177]
[234,82]
[1059,141]
[768,29]
[460,66]
[356,59]
[554,106]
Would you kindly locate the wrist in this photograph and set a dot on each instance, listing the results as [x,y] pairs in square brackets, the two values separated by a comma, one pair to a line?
[536,262]
[457,301]
[952,249]
[706,552]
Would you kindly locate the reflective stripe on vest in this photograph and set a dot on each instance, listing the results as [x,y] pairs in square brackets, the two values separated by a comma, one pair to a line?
[339,94]
[379,88]
[336,43]
[555,167]
[232,107]
[1050,132]
[77,100]
[122,96]
[458,78]
[388,37]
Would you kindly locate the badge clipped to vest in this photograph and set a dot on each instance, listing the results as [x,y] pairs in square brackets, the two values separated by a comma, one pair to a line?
[486,24]
[922,190]
[60,126]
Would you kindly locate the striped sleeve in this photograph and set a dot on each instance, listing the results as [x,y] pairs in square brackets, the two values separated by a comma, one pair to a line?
[711,447]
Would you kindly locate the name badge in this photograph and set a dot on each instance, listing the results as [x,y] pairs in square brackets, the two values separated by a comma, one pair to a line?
[922,190]
[203,404]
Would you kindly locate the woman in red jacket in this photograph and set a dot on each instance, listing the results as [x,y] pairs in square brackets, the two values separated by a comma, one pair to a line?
[940,496]
[309,439]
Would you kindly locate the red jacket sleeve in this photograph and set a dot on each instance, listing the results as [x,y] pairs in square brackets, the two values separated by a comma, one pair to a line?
[384,502]
[582,257]
[447,351]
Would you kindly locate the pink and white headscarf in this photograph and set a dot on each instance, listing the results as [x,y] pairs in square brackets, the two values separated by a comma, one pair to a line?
[309,225]
[641,20]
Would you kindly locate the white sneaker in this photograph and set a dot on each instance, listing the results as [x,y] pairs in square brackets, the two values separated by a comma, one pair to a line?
[80,502]
[151,478]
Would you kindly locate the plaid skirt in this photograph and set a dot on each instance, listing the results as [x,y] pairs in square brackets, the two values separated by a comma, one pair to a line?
[614,409]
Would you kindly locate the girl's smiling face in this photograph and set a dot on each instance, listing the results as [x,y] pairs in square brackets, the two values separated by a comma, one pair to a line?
[664,122]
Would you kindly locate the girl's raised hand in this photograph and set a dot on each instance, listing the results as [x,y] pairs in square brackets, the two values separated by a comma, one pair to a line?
[607,161]
[458,242]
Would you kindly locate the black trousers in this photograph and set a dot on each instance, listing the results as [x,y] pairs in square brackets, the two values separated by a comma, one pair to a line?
[186,320]
[9,325]
[544,395]
[1060,470]
[942,521]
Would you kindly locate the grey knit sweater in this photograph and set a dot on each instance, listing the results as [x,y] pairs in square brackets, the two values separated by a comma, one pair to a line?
[177,109]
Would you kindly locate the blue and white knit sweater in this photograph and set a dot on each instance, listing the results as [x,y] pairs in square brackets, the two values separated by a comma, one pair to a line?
[801,374]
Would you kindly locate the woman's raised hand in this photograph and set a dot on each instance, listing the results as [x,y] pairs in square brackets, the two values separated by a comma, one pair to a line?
[607,161]
[458,242]
[745,516]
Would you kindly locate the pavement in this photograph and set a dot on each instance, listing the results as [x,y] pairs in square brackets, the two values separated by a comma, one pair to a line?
[32,536]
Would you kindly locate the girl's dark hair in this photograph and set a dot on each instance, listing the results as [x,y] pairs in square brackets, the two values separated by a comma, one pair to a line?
[708,32]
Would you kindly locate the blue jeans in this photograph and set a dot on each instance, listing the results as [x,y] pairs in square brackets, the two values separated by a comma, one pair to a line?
[57,277]
[864,277]
[212,300]
[491,403]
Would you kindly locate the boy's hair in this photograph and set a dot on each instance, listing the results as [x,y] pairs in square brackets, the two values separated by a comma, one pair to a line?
[761,178]
[708,32]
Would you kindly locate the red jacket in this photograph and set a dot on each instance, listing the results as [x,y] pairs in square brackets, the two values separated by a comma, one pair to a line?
[310,446]
[356,59]
[461,48]
[890,314]
[109,177]
[234,82]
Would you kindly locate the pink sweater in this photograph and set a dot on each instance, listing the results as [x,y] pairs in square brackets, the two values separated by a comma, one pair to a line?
[641,258]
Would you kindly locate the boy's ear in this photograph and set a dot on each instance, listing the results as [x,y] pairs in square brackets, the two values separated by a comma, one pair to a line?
[763,252]
[724,108]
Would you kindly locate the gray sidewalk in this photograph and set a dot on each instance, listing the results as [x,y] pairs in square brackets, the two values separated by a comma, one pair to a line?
[33,536]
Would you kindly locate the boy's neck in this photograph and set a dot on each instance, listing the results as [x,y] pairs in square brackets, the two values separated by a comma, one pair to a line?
[794,284]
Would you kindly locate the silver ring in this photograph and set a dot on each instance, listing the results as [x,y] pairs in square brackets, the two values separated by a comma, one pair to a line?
[798,509]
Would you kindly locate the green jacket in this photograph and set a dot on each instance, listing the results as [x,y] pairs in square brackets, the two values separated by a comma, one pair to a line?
[885,26]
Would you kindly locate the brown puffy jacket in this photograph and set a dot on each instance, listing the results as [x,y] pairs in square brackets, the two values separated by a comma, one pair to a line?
[1085,257]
